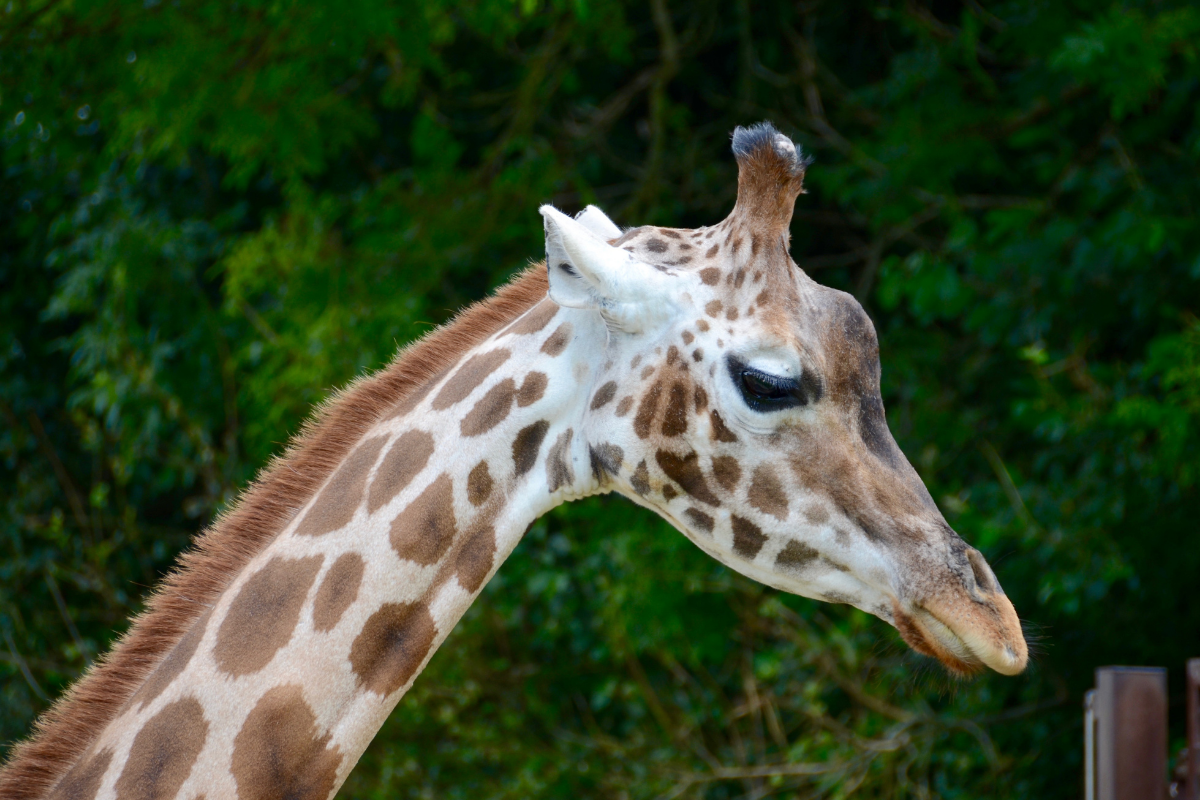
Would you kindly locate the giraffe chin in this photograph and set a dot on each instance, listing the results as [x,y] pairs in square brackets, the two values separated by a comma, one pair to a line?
[928,635]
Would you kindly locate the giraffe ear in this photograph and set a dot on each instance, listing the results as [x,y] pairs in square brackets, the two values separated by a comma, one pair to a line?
[585,271]
[598,223]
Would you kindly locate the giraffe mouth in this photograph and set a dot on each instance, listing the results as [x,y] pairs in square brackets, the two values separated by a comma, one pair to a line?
[964,652]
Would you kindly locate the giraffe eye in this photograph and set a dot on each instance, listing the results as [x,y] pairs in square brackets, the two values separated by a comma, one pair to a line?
[761,386]
[763,391]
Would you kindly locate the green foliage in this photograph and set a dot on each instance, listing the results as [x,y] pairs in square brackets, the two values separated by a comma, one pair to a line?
[212,214]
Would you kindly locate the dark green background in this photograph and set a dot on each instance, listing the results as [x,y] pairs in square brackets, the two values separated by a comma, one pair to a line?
[214,212]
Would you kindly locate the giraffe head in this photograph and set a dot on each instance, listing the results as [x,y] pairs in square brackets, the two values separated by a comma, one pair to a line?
[740,400]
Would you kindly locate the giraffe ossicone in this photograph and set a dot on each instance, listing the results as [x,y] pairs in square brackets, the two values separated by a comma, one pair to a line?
[700,373]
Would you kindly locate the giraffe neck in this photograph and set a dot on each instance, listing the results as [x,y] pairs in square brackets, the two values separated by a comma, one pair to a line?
[278,689]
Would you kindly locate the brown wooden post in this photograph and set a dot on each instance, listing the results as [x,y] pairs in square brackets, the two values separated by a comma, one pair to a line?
[1131,733]
[1192,785]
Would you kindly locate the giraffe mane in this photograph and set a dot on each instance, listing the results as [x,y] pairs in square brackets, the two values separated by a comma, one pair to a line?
[67,729]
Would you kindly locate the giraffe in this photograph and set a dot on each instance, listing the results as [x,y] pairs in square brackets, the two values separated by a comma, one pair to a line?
[699,373]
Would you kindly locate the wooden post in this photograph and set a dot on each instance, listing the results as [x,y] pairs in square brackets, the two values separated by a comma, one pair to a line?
[1131,733]
[1192,785]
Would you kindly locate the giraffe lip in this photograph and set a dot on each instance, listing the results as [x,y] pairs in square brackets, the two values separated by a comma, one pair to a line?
[963,653]
[929,636]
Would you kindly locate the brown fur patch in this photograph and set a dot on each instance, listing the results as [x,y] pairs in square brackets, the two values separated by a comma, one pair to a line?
[647,411]
[83,782]
[392,646]
[767,494]
[606,459]
[338,501]
[685,470]
[532,389]
[701,398]
[479,484]
[720,433]
[713,308]
[403,462]
[537,317]
[698,355]
[204,571]
[700,521]
[468,377]
[624,406]
[558,462]
[558,340]
[164,752]
[423,531]
[688,337]
[528,443]
[655,245]
[727,471]
[604,395]
[795,556]
[640,479]
[491,409]
[175,663]
[338,590]
[702,325]
[280,755]
[748,538]
[668,492]
[675,416]
[475,558]
[263,616]
[816,515]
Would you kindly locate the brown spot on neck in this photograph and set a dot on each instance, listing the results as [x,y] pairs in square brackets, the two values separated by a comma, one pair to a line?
[605,460]
[263,616]
[640,479]
[479,484]
[338,590]
[699,520]
[527,445]
[83,781]
[558,340]
[534,319]
[532,389]
[475,557]
[748,538]
[491,409]
[558,462]
[279,754]
[423,531]
[468,377]
[392,646]
[403,462]
[624,406]
[174,664]
[604,395]
[337,502]
[164,752]
[795,556]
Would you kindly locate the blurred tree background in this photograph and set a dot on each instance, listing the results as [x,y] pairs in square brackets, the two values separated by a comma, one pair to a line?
[212,213]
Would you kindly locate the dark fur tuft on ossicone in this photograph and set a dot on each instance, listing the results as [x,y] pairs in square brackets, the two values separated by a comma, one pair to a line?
[748,142]
[66,731]
[770,176]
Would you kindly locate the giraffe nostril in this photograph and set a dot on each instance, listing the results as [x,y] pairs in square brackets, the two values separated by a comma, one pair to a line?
[984,578]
